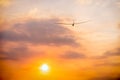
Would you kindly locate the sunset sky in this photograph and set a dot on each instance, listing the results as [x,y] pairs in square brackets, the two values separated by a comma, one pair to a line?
[30,37]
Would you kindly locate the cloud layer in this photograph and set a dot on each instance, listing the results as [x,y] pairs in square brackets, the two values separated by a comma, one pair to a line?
[41,32]
[36,32]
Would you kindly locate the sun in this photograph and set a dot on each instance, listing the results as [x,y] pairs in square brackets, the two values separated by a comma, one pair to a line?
[44,68]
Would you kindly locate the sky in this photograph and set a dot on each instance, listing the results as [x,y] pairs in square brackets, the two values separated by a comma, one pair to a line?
[30,37]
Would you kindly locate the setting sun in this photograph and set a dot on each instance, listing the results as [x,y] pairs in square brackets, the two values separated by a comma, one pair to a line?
[44,68]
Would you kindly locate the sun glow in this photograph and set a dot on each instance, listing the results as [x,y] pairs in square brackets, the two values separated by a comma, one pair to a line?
[44,68]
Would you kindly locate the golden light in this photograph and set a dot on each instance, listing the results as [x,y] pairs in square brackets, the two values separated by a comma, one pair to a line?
[44,68]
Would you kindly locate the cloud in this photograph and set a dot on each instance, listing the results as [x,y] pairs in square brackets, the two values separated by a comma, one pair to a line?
[14,53]
[110,54]
[112,64]
[72,55]
[41,32]
[115,53]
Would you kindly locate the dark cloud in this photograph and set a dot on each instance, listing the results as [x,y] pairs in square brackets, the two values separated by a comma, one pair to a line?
[42,32]
[72,55]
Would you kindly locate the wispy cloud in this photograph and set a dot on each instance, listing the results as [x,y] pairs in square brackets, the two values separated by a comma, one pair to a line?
[14,53]
[72,55]
[114,64]
[108,54]
[115,53]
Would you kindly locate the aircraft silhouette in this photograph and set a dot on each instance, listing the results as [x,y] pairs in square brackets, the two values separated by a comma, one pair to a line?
[73,23]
